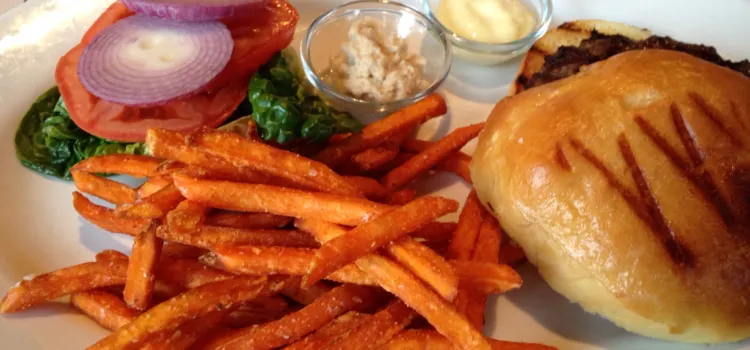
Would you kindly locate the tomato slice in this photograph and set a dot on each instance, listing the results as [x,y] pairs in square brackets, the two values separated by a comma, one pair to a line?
[256,40]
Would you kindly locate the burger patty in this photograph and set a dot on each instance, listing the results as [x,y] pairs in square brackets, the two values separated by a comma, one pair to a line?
[568,60]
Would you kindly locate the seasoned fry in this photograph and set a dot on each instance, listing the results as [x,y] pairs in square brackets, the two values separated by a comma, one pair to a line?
[430,157]
[279,200]
[305,295]
[35,290]
[457,163]
[106,189]
[190,305]
[370,188]
[105,309]
[469,222]
[136,166]
[247,220]
[155,206]
[187,334]
[438,312]
[211,237]
[180,251]
[297,324]
[106,218]
[153,185]
[245,153]
[374,234]
[430,267]
[381,130]
[436,232]
[108,255]
[373,158]
[142,268]
[402,196]
[188,273]
[486,278]
[331,332]
[490,238]
[168,167]
[186,217]
[425,339]
[256,260]
[377,331]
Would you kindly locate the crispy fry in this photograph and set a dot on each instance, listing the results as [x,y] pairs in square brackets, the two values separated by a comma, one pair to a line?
[187,334]
[106,189]
[279,200]
[296,325]
[430,157]
[244,153]
[511,254]
[305,295]
[165,291]
[108,255]
[195,303]
[106,218]
[155,206]
[211,237]
[402,196]
[436,232]
[168,167]
[247,220]
[105,309]
[370,188]
[469,222]
[490,238]
[486,278]
[188,273]
[142,268]
[418,339]
[380,328]
[257,311]
[373,235]
[457,162]
[35,290]
[256,260]
[381,130]
[438,312]
[423,262]
[136,166]
[153,185]
[373,158]
[187,217]
[331,332]
[180,251]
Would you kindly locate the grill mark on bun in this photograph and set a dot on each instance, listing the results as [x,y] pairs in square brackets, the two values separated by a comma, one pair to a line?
[658,221]
[560,157]
[714,116]
[689,141]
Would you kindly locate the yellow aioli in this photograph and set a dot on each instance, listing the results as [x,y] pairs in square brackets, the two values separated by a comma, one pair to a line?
[489,21]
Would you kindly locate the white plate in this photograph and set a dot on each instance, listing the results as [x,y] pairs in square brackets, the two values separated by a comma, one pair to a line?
[41,231]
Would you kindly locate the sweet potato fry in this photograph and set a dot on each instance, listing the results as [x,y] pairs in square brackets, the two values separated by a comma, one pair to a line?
[180,251]
[457,163]
[142,268]
[418,339]
[402,196]
[106,309]
[195,303]
[106,189]
[168,167]
[486,250]
[279,200]
[153,185]
[211,237]
[106,218]
[511,254]
[188,273]
[469,222]
[187,334]
[296,325]
[373,158]
[369,187]
[486,278]
[244,153]
[377,331]
[35,290]
[108,255]
[423,262]
[374,234]
[430,157]
[256,260]
[186,217]
[247,220]
[438,312]
[155,206]
[331,332]
[436,232]
[305,295]
[380,131]
[136,166]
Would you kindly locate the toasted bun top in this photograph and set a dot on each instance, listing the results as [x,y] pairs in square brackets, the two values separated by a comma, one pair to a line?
[636,170]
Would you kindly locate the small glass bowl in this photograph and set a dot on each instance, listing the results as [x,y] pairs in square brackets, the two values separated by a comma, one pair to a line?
[488,54]
[327,33]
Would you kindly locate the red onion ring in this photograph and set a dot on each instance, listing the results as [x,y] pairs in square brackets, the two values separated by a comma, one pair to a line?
[194,10]
[146,61]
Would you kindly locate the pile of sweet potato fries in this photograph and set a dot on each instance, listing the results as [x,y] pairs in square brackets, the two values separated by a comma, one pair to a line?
[242,245]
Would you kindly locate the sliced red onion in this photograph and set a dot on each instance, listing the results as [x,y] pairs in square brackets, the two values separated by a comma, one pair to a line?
[146,61]
[194,10]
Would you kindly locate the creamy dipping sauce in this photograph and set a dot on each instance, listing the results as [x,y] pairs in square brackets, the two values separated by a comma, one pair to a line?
[489,21]
[375,66]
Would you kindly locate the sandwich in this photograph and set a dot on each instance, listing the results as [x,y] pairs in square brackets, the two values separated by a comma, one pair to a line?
[620,163]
